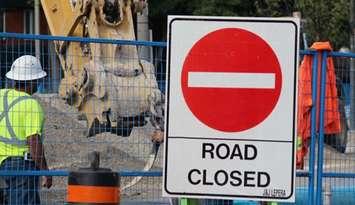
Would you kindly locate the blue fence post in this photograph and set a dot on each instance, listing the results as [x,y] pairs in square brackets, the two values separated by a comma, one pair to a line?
[313,130]
[321,129]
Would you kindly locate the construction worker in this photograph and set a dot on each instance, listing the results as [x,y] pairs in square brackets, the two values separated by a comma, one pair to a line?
[21,123]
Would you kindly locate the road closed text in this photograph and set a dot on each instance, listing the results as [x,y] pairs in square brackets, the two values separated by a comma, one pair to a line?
[222,177]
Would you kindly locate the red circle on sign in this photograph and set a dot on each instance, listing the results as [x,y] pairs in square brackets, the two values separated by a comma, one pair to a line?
[235,52]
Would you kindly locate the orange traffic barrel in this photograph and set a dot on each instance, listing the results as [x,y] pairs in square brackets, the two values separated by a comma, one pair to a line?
[89,186]
[93,185]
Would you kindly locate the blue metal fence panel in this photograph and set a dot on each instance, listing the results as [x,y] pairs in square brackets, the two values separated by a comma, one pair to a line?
[336,156]
[130,163]
[65,143]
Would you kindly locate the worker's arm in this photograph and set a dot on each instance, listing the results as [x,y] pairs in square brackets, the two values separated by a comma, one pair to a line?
[37,153]
[34,121]
[157,136]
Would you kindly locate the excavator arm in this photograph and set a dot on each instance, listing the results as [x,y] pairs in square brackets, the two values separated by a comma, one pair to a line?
[108,83]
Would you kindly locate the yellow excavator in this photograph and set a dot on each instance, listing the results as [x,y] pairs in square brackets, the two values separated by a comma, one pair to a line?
[108,83]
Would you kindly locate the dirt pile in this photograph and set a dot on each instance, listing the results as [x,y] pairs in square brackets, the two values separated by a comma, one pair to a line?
[67,147]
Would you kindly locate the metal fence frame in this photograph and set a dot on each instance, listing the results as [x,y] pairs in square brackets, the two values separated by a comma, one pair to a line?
[128,173]
[311,173]
[315,176]
[320,173]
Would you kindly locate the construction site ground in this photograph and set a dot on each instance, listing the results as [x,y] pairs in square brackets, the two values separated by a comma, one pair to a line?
[67,147]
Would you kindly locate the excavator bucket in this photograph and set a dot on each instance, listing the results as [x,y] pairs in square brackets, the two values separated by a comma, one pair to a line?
[107,83]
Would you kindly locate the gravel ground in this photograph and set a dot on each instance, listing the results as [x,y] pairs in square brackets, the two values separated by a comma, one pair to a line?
[67,147]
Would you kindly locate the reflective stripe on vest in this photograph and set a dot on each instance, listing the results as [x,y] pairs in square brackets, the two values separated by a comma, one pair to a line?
[5,114]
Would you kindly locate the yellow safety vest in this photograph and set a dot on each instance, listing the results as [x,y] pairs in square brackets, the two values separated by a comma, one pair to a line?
[21,116]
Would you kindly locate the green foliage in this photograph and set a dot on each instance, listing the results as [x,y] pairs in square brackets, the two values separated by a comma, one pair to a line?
[224,8]
[275,8]
[160,9]
[324,19]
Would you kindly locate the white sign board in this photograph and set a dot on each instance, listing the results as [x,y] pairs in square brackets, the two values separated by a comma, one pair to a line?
[231,108]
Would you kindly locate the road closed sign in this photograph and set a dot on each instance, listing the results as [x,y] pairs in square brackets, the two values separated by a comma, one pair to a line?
[231,108]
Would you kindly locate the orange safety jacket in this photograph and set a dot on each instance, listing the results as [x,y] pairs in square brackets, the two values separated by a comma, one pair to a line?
[305,103]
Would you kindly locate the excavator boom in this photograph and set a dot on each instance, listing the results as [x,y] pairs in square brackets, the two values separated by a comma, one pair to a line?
[108,83]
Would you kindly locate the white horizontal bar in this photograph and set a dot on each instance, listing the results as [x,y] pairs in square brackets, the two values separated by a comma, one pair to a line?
[231,80]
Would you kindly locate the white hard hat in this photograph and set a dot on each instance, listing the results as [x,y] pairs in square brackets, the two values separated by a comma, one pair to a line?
[26,68]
